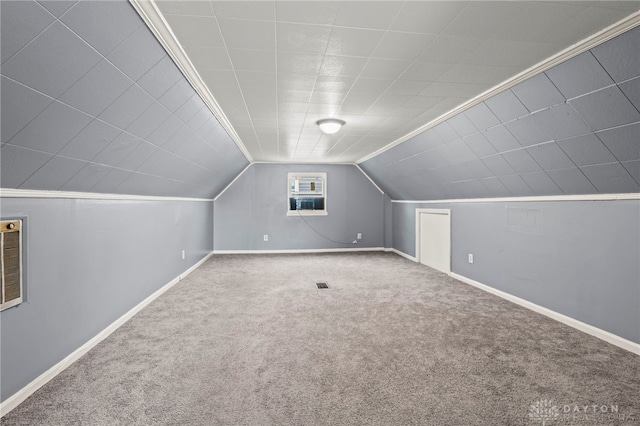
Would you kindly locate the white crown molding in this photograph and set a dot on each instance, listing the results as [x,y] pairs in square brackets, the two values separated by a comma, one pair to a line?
[310,163]
[579,325]
[368,177]
[31,193]
[17,398]
[590,42]
[233,181]
[579,197]
[287,163]
[151,15]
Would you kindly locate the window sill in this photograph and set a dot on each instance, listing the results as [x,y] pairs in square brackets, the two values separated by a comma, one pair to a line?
[307,213]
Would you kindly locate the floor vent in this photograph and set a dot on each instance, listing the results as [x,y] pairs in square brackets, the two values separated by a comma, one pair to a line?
[322,285]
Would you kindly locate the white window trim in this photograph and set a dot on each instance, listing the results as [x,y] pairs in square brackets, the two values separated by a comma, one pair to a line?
[324,212]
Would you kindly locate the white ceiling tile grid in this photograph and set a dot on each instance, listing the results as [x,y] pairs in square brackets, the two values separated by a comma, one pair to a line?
[286,64]
[92,102]
[565,131]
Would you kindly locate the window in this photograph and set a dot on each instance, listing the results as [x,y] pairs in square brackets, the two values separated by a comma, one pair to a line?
[307,194]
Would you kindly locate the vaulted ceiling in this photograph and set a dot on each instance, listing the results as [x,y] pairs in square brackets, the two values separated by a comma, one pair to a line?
[91,102]
[573,129]
[94,99]
[387,68]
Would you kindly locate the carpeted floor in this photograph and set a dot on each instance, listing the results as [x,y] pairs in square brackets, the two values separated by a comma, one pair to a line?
[250,340]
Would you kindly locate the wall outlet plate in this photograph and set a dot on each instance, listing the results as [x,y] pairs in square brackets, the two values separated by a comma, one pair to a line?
[359,235]
[470,257]
[266,237]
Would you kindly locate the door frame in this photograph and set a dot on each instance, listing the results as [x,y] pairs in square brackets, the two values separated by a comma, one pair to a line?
[419,213]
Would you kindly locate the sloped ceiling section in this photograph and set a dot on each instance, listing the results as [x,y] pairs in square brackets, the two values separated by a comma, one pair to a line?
[92,103]
[574,129]
[385,67]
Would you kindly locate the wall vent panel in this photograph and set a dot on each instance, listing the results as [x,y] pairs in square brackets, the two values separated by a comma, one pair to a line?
[10,263]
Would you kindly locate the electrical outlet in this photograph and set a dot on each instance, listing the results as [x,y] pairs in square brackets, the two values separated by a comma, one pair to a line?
[359,235]
[470,257]
[266,237]
[182,254]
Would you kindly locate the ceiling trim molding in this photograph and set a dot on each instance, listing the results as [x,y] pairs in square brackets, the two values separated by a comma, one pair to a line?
[313,163]
[291,164]
[233,181]
[578,197]
[369,177]
[590,42]
[31,193]
[151,15]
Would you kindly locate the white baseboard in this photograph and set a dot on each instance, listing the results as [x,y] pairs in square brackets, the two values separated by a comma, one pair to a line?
[401,253]
[17,398]
[579,325]
[330,250]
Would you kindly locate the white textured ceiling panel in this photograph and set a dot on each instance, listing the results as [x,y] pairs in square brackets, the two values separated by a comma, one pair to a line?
[387,68]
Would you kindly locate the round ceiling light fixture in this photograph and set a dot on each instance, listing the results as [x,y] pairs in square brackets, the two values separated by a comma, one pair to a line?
[330,125]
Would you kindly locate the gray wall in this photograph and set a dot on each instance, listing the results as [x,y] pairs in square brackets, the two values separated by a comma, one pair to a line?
[91,102]
[256,204]
[388,222]
[87,262]
[574,129]
[580,259]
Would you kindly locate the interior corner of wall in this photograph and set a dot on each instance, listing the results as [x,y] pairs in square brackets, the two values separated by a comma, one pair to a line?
[232,182]
[369,177]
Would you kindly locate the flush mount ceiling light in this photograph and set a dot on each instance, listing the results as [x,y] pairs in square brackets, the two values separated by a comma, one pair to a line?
[330,125]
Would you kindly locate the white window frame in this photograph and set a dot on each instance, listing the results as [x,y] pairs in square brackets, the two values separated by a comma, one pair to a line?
[321,175]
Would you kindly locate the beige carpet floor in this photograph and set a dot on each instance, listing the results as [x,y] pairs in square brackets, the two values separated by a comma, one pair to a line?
[250,340]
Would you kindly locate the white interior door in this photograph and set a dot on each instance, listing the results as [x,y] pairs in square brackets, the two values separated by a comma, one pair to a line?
[435,239]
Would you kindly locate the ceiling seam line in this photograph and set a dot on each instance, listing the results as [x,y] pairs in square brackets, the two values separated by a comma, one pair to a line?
[149,12]
[235,74]
[619,27]
[386,31]
[313,90]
